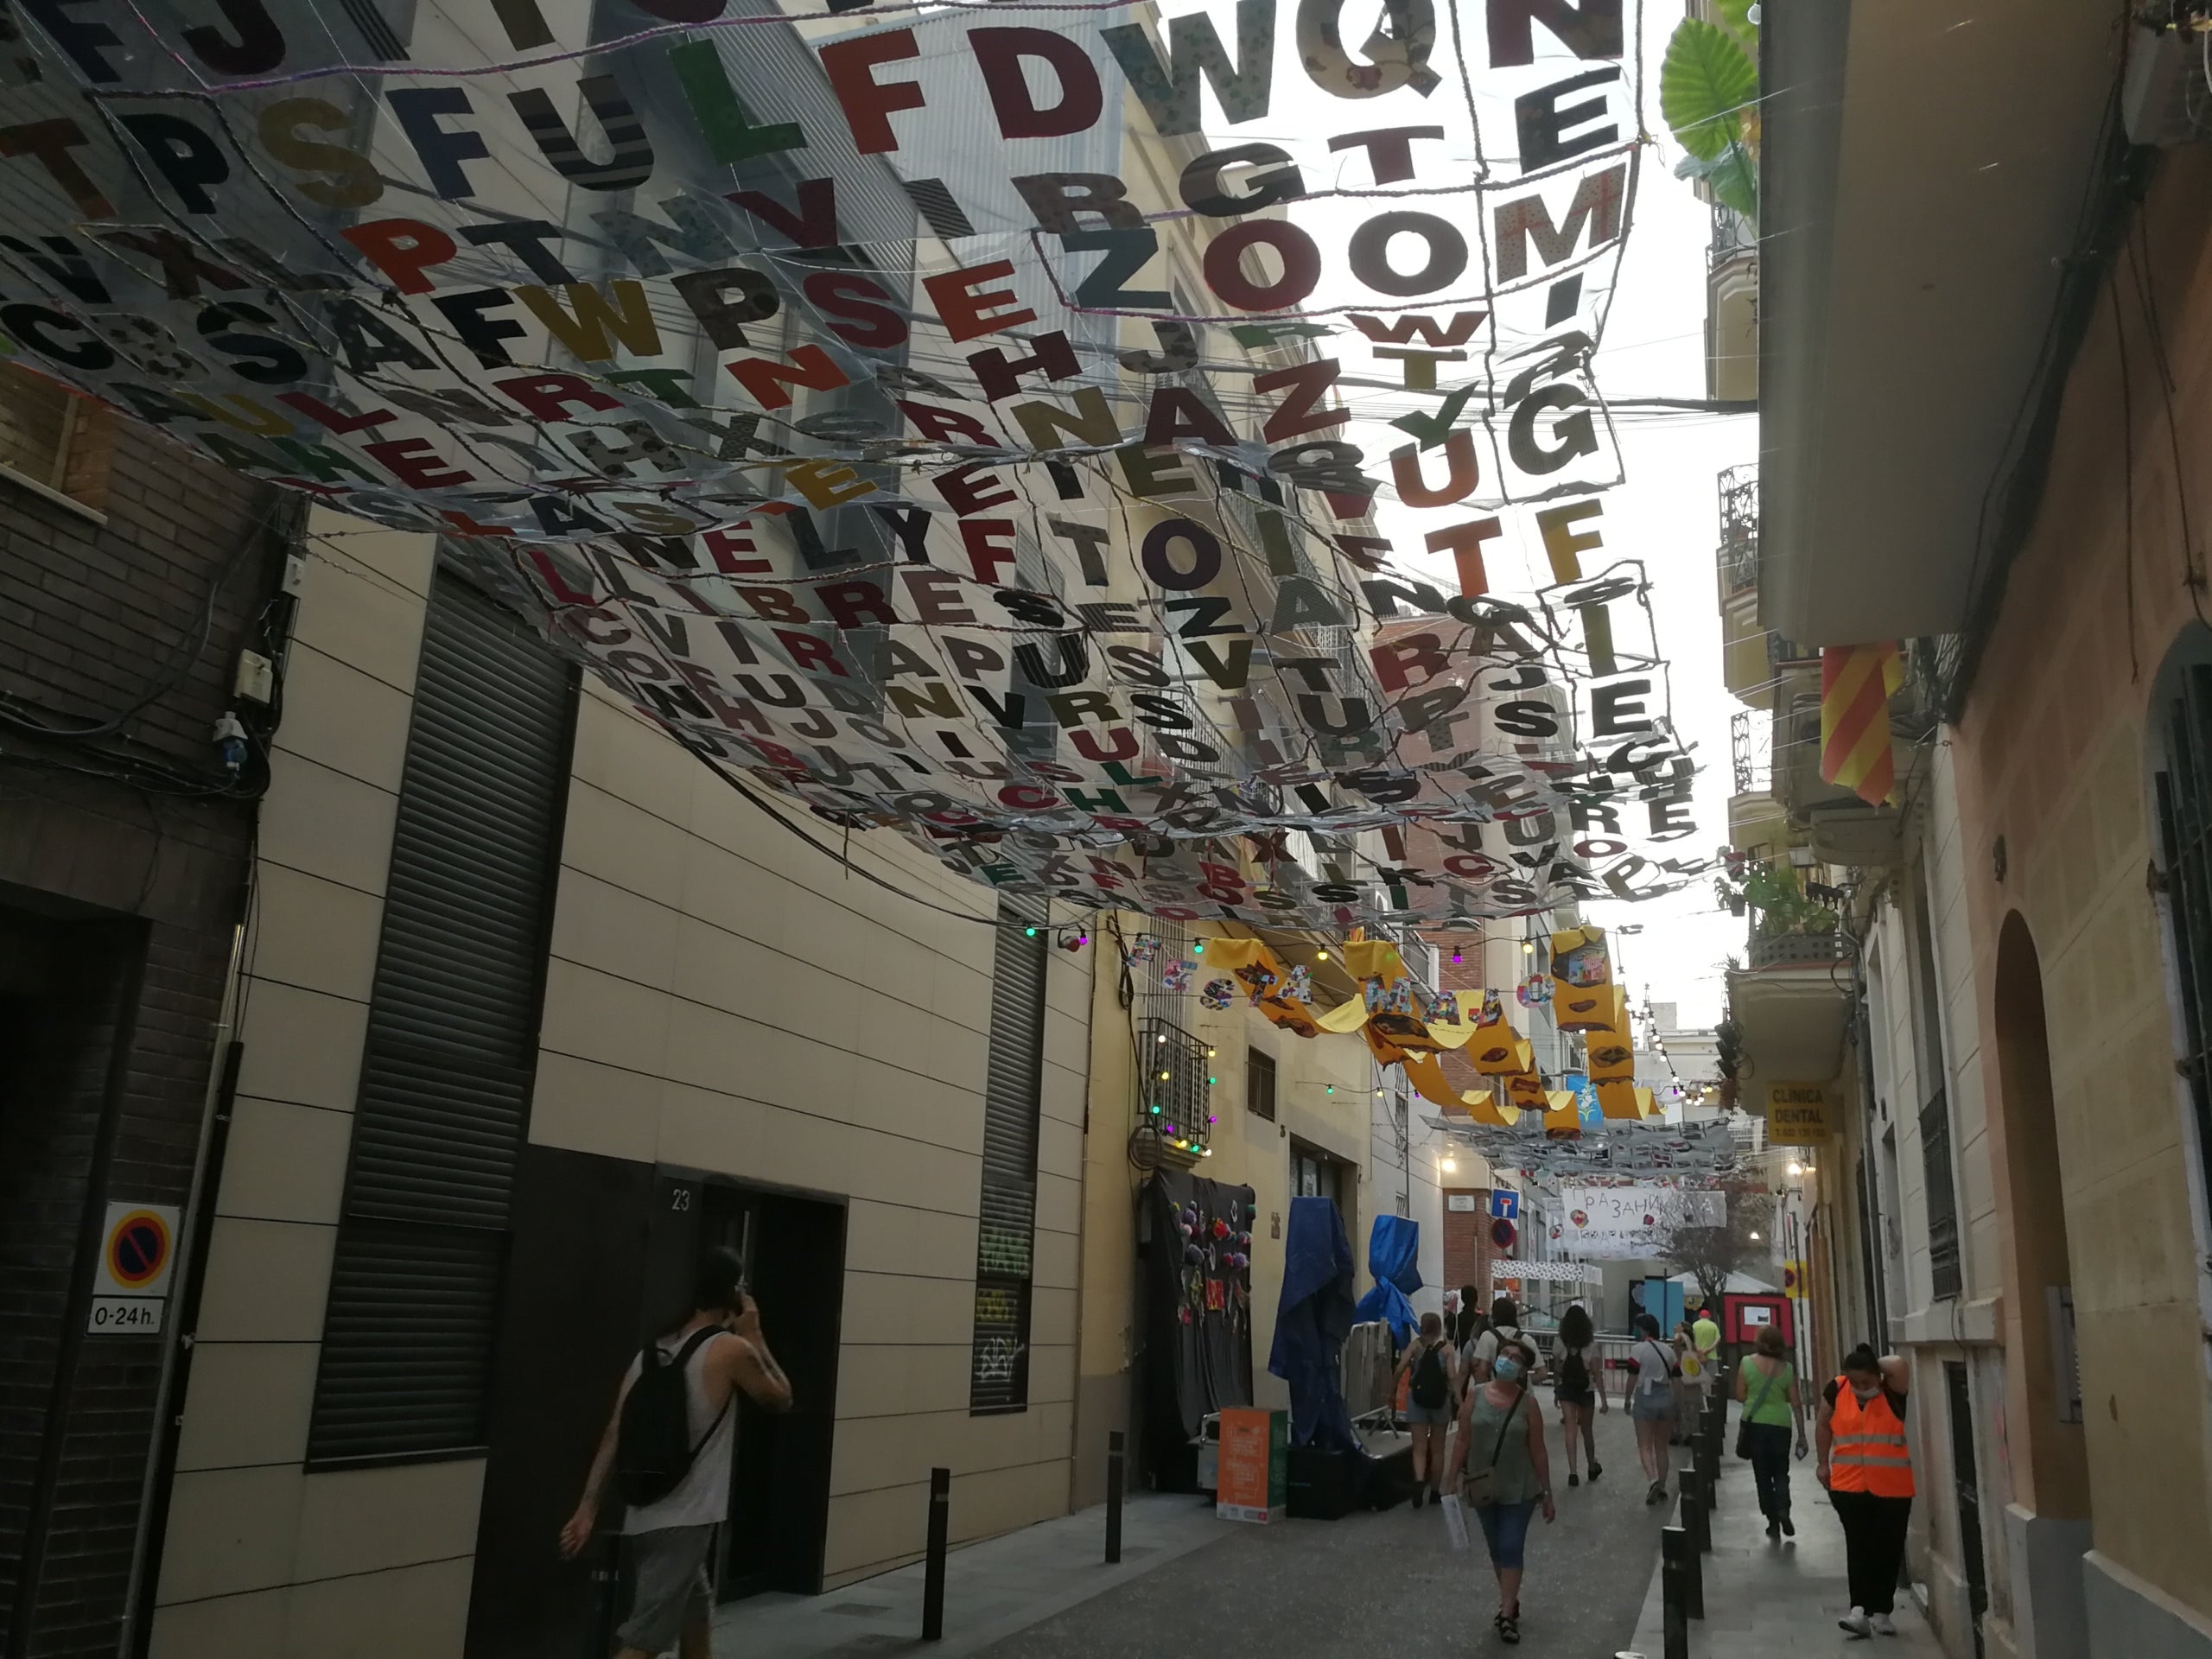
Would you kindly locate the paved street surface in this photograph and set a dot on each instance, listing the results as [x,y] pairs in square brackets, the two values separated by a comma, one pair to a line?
[1367,1584]
[1779,1601]
[1215,1589]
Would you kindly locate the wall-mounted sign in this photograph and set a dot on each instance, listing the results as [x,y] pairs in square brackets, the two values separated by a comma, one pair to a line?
[137,1252]
[1459,1203]
[1796,1114]
[1505,1204]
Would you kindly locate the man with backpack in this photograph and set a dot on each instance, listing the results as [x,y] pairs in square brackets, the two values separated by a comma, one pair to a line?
[668,1446]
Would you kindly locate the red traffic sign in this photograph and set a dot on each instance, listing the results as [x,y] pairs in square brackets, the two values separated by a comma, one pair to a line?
[137,1249]
[1502,1233]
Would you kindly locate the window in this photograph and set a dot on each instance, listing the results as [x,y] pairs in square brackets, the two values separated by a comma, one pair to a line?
[1259,1085]
[54,442]
[1943,1199]
[2184,806]
[1941,1191]
[1007,1213]
[452,1043]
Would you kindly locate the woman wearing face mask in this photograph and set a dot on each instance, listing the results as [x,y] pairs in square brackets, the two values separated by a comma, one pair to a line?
[1501,1445]
[1867,1468]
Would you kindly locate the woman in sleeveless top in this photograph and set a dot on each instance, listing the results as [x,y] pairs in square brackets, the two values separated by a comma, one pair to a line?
[1574,1393]
[1433,1386]
[1501,1430]
[1652,1406]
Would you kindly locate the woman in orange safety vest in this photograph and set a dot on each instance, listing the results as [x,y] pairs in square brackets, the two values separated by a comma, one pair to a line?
[1867,1468]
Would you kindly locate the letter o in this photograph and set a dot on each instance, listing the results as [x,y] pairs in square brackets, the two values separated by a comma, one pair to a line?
[1601,847]
[1301,265]
[1370,253]
[1206,554]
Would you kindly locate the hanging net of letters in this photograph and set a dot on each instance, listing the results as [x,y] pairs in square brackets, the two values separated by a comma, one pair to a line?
[1078,437]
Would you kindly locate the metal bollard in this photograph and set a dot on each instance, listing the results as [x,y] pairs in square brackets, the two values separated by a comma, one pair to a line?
[1697,1507]
[1708,1468]
[1114,1497]
[1674,1557]
[933,1566]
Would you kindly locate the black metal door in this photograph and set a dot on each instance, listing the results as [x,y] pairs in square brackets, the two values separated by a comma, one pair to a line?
[1967,1489]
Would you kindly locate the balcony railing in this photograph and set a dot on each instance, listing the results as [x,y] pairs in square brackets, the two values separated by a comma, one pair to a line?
[1796,951]
[1733,236]
[1740,530]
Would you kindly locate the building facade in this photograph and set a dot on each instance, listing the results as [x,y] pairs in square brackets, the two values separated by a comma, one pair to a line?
[2023,914]
[724,1036]
[132,579]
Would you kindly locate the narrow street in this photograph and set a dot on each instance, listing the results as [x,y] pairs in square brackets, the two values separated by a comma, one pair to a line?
[1373,1584]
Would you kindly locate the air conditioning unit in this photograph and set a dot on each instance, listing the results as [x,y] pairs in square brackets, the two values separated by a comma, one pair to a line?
[2165,98]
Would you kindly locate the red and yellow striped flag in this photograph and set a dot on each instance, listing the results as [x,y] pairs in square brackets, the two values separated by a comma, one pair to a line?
[1857,683]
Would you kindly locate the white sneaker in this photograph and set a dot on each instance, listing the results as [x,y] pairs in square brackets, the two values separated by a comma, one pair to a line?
[1856,1622]
[1882,1625]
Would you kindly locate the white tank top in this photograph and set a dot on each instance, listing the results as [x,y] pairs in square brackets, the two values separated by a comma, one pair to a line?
[701,1497]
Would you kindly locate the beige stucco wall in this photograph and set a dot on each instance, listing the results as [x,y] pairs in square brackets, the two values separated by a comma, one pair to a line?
[261,1558]
[720,997]
[1966,1328]
[2054,753]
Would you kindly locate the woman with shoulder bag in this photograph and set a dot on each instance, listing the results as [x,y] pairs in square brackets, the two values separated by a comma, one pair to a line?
[1508,1470]
[1435,1384]
[1766,1384]
[1652,1407]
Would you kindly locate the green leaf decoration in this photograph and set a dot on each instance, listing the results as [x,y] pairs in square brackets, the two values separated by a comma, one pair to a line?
[1706,85]
[1732,176]
[1735,17]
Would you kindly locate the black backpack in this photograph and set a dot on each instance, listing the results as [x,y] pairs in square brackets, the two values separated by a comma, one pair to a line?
[653,1449]
[1431,1386]
[1574,1372]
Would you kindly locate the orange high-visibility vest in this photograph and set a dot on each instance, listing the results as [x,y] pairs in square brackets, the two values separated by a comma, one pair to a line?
[1869,1454]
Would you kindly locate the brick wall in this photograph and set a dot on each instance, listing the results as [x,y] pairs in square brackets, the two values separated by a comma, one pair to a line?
[131,890]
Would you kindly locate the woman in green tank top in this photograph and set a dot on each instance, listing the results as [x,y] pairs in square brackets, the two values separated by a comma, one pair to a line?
[1502,1430]
[1766,1384]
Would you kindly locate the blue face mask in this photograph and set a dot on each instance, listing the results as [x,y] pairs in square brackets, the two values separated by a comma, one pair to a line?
[1507,1371]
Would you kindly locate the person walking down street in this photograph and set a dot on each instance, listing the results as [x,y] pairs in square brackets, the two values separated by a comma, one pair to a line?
[1504,1327]
[1766,1384]
[1500,1454]
[1652,1407]
[1430,1398]
[1690,1393]
[1575,1395]
[1867,1467]
[1469,1323]
[676,1481]
[1705,1340]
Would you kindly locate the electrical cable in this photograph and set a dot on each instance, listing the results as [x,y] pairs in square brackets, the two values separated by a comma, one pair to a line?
[188,659]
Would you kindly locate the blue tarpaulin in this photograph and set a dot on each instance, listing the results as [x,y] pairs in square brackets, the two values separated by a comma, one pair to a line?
[1393,1249]
[1311,1321]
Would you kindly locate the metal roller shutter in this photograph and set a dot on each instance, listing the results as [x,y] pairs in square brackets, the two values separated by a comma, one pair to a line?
[1006,1212]
[452,1041]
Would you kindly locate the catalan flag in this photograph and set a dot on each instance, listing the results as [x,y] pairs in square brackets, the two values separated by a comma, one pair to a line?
[1857,683]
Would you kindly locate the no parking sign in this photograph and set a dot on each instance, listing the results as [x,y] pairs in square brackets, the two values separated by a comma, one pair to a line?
[137,1251]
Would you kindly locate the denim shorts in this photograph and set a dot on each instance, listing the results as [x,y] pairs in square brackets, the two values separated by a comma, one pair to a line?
[1505,1529]
[1435,1417]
